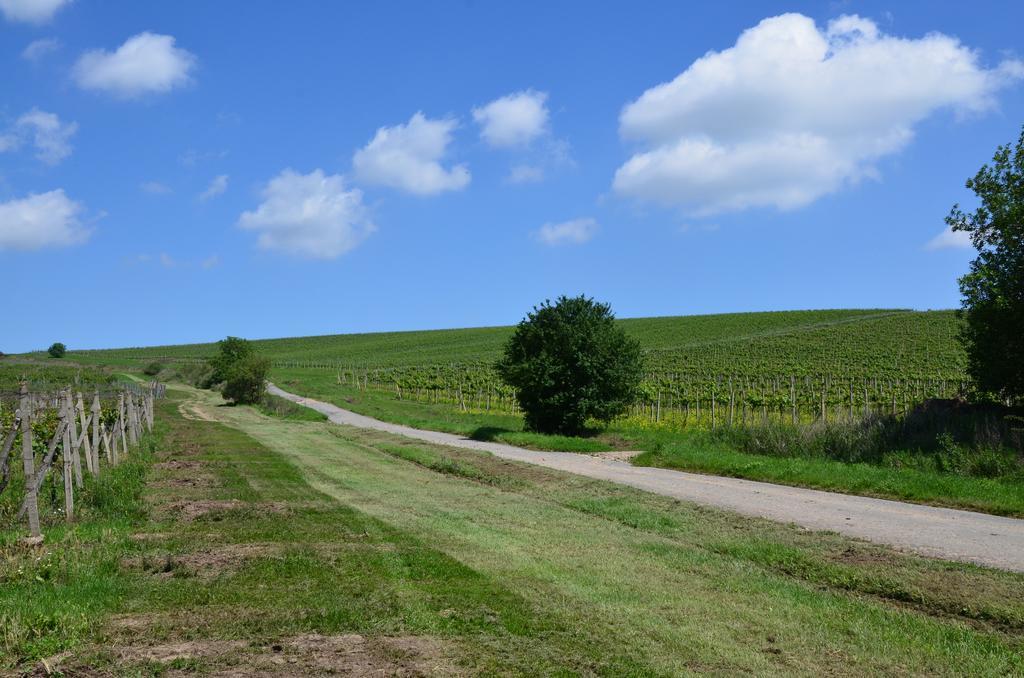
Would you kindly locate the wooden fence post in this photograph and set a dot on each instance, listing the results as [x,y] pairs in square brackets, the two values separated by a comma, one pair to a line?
[132,430]
[69,490]
[121,425]
[86,443]
[28,463]
[76,459]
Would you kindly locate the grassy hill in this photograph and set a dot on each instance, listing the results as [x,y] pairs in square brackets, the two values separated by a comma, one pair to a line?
[852,342]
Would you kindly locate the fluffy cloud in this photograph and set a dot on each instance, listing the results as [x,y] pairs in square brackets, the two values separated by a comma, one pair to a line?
[37,49]
[216,187]
[792,112]
[513,120]
[407,157]
[145,64]
[40,220]
[50,137]
[575,232]
[310,215]
[31,11]
[950,239]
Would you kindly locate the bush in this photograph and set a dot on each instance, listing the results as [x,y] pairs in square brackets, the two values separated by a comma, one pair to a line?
[197,374]
[57,350]
[246,381]
[152,369]
[231,352]
[569,363]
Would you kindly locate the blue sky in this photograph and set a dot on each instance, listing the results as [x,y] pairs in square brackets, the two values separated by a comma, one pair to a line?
[183,171]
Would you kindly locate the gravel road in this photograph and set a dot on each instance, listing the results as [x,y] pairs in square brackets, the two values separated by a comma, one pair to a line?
[931,531]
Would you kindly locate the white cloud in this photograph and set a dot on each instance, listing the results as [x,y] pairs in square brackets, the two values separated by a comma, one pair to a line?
[513,120]
[216,187]
[37,49]
[51,137]
[167,261]
[525,174]
[145,64]
[210,262]
[41,220]
[950,239]
[407,157]
[575,232]
[792,112]
[155,188]
[310,215]
[31,11]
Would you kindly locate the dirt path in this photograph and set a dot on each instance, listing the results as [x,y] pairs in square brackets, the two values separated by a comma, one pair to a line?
[937,532]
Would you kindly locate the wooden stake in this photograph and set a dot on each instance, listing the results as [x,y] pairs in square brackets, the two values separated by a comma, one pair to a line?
[28,463]
[69,490]
[71,448]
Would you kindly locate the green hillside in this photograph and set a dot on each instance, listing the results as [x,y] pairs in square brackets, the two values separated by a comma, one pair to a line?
[858,342]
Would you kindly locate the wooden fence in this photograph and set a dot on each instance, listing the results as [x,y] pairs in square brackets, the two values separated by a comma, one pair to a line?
[94,433]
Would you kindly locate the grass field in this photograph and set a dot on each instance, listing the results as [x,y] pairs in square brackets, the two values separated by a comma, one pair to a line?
[265,542]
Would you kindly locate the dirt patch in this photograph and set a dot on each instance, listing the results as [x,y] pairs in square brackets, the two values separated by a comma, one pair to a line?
[195,481]
[195,509]
[204,564]
[350,655]
[619,455]
[193,412]
[178,465]
[305,655]
[865,556]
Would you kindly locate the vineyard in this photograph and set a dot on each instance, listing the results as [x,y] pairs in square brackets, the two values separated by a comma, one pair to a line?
[791,366]
[55,430]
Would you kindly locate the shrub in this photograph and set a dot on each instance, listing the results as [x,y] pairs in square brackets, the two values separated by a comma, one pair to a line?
[152,369]
[569,362]
[231,352]
[246,381]
[57,350]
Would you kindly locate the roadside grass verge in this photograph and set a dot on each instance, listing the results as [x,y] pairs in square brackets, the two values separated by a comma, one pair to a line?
[697,451]
[691,450]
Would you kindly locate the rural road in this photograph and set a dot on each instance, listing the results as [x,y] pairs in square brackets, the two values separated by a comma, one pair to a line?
[931,531]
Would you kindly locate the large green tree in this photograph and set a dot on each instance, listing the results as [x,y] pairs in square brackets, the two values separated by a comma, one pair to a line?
[993,289]
[569,363]
[240,369]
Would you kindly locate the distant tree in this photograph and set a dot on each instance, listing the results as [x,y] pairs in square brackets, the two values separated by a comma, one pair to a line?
[569,363]
[152,369]
[230,352]
[246,381]
[57,350]
[993,289]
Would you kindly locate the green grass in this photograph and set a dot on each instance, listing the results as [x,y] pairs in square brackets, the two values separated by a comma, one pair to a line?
[675,587]
[506,568]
